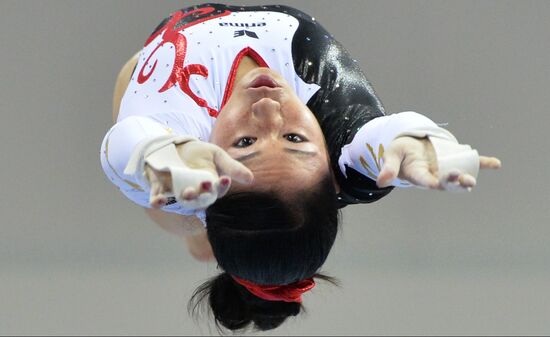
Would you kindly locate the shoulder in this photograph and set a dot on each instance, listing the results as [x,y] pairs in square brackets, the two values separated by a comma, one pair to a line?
[122,81]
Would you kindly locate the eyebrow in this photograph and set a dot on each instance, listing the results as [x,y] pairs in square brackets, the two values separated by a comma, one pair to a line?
[300,152]
[248,156]
[288,150]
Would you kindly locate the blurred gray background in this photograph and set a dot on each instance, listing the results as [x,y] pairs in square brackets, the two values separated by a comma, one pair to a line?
[76,257]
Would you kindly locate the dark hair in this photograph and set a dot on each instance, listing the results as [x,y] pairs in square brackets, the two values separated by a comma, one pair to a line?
[268,240]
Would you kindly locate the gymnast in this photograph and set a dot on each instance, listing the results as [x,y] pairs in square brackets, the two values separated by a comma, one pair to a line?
[245,130]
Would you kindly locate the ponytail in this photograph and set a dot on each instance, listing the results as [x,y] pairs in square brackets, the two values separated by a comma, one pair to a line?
[235,308]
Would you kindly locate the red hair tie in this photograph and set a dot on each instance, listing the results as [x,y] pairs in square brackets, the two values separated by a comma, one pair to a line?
[286,293]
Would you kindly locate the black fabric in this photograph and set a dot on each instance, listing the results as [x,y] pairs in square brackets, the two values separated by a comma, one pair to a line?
[345,102]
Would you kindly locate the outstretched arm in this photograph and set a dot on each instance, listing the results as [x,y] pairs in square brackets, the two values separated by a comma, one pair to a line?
[408,149]
[188,227]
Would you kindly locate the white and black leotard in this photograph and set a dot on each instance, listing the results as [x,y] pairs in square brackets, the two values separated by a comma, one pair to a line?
[186,71]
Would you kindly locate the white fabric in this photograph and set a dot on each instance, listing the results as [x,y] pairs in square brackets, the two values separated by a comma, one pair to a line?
[365,152]
[116,151]
[159,152]
[210,44]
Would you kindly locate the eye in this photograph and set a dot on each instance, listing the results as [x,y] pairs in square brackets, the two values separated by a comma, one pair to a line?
[292,137]
[245,142]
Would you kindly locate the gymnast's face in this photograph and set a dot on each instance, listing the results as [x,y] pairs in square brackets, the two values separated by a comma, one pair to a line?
[265,126]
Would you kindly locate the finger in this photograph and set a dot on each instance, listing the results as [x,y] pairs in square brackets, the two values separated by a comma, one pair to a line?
[424,178]
[467,181]
[390,169]
[223,186]
[158,201]
[453,177]
[190,193]
[206,187]
[232,168]
[489,163]
[154,183]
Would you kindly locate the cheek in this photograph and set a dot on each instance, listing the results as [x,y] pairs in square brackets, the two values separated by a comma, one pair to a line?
[298,112]
[225,129]
[219,132]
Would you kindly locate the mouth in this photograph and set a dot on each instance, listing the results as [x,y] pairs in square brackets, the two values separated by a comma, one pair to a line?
[264,80]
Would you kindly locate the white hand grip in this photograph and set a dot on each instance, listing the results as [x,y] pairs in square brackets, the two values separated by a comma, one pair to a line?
[454,158]
[183,178]
[161,154]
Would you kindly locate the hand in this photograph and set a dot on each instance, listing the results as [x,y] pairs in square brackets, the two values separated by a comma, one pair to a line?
[199,156]
[415,160]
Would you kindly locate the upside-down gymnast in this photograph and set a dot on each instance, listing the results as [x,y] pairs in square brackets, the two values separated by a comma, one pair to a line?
[245,130]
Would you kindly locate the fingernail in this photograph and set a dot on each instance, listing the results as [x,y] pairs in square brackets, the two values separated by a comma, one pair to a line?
[224,181]
[453,177]
[206,185]
[158,202]
[248,178]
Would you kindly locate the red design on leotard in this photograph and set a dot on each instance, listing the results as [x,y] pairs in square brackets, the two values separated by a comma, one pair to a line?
[233,72]
[180,75]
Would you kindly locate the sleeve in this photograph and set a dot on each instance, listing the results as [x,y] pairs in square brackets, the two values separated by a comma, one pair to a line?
[353,118]
[122,158]
[116,151]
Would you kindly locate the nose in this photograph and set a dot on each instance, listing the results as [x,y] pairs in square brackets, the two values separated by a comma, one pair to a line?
[268,113]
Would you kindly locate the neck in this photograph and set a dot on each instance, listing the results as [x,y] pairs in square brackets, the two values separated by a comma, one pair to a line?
[247,64]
